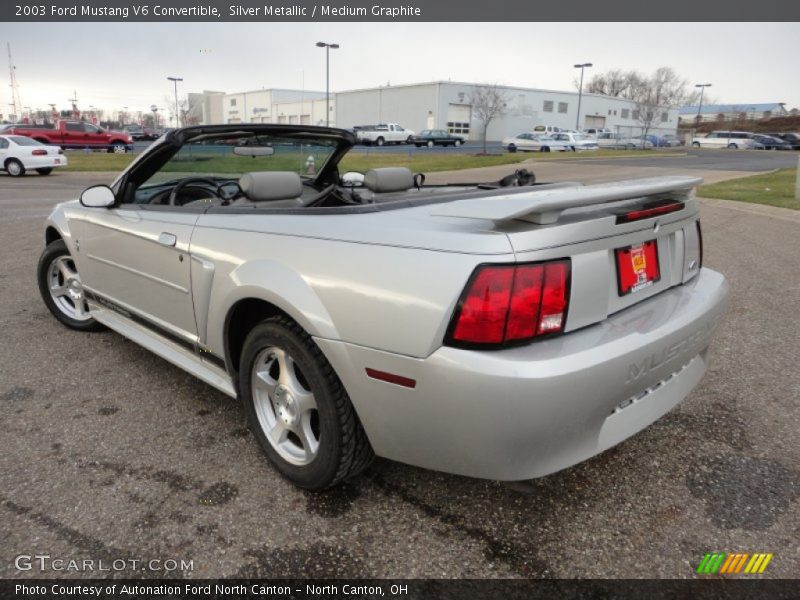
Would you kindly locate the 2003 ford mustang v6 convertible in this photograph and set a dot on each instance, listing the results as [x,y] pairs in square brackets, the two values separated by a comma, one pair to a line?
[502,330]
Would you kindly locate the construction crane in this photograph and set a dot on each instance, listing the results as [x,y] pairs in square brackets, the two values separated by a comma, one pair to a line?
[16,103]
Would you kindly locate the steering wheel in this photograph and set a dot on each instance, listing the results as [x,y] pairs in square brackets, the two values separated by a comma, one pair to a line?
[173,196]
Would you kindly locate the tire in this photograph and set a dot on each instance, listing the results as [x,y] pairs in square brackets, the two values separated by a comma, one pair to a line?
[733,147]
[418,145]
[408,140]
[544,149]
[457,143]
[118,148]
[56,271]
[45,171]
[430,144]
[14,168]
[288,387]
[380,141]
[512,148]
[695,144]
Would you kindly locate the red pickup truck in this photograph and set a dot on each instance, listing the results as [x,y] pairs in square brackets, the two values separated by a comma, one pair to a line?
[76,134]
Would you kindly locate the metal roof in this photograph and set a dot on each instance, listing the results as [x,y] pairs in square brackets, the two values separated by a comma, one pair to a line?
[732,108]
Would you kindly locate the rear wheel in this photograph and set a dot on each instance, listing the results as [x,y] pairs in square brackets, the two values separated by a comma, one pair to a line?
[544,149]
[61,288]
[512,148]
[14,168]
[45,171]
[380,141]
[695,144]
[297,408]
[733,147]
[430,144]
[457,143]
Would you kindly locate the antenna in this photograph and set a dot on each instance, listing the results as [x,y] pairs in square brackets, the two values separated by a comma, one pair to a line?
[15,101]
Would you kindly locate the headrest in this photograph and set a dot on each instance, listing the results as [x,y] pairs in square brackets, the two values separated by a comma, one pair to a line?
[389,179]
[261,186]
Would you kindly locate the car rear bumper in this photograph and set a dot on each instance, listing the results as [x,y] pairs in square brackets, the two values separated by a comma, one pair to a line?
[526,412]
[44,162]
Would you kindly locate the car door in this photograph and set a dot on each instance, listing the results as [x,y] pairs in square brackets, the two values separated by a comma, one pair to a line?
[3,150]
[137,257]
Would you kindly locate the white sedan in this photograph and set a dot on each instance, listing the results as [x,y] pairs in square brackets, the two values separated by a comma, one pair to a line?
[576,141]
[19,154]
[533,142]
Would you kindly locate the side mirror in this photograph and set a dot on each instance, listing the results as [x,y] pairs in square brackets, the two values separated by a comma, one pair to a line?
[353,179]
[98,196]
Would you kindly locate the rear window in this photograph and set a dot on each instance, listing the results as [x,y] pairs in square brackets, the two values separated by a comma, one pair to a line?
[21,140]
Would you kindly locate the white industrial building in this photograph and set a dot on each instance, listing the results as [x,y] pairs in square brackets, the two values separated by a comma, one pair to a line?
[434,105]
[446,105]
[275,105]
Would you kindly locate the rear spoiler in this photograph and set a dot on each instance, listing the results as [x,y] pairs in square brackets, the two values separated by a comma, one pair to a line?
[544,206]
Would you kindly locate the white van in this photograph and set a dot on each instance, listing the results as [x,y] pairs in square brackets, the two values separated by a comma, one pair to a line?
[725,139]
[547,129]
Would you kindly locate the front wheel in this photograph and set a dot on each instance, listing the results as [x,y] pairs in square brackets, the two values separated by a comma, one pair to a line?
[45,171]
[544,149]
[695,144]
[430,144]
[733,147]
[14,168]
[512,148]
[61,288]
[297,408]
[457,143]
[118,149]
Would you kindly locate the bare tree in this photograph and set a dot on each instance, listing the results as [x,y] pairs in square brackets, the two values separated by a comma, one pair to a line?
[183,107]
[488,103]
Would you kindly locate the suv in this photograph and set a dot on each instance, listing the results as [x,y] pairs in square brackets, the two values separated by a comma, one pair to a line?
[725,139]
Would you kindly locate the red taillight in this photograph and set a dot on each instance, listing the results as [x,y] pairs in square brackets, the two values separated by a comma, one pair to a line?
[512,303]
[39,152]
[700,243]
[654,209]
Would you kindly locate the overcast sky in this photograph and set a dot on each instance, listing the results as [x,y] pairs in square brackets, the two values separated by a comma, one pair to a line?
[112,65]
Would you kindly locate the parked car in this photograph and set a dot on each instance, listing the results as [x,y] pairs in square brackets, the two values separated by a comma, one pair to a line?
[464,328]
[435,137]
[76,134]
[547,129]
[533,142]
[793,139]
[576,141]
[136,132]
[19,154]
[769,142]
[725,139]
[595,131]
[671,141]
[385,133]
[613,140]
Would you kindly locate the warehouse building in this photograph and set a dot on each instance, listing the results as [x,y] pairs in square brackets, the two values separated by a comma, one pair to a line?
[733,112]
[274,105]
[435,105]
[446,105]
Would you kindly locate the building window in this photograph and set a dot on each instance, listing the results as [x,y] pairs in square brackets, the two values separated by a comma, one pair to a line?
[625,113]
[562,107]
[609,112]
[615,113]
[458,128]
[635,115]
[664,117]
[233,101]
[548,106]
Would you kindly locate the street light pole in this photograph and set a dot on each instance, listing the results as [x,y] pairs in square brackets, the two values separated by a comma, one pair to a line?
[328,48]
[175,80]
[702,87]
[580,94]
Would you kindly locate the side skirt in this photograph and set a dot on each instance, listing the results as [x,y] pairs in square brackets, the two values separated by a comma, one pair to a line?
[177,354]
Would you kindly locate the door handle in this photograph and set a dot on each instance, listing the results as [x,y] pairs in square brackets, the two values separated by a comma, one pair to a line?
[167,239]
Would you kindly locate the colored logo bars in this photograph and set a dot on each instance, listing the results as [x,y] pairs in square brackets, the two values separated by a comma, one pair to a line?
[730,564]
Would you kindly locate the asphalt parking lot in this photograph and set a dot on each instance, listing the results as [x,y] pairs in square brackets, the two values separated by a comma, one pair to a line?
[110,452]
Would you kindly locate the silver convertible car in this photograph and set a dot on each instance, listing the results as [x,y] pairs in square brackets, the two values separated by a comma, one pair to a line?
[502,329]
